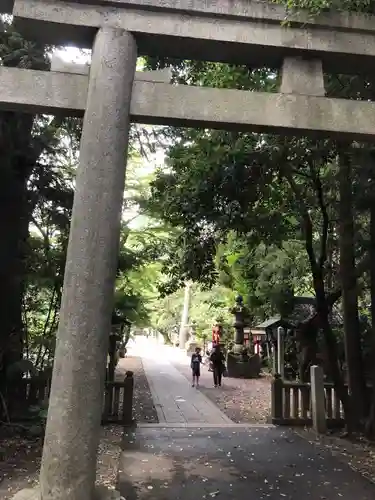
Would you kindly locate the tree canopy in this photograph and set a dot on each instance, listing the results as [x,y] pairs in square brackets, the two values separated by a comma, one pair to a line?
[261,215]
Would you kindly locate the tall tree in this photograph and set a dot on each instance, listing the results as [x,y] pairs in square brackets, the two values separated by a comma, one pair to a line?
[21,146]
[353,350]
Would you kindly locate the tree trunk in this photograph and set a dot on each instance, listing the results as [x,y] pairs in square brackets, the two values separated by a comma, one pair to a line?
[370,425]
[352,340]
[330,262]
[308,349]
[15,137]
[322,306]
[331,347]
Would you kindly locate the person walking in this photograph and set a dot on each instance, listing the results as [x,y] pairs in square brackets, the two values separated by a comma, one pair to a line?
[195,364]
[218,365]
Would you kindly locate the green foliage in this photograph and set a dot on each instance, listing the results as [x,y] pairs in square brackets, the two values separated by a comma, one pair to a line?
[232,195]
[16,370]
[266,276]
[16,52]
[318,6]
[234,212]
[258,214]
[206,308]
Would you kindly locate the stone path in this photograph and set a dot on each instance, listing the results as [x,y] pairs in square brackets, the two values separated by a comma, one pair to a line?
[241,400]
[175,400]
[198,453]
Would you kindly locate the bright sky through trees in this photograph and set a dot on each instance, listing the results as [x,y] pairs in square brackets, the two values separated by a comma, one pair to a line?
[144,167]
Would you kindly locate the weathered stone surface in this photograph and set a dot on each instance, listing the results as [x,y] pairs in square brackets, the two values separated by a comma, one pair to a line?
[197,35]
[184,325]
[27,494]
[243,369]
[73,424]
[30,91]
[61,66]
[180,105]
[280,351]
[257,10]
[302,76]
[101,493]
[190,347]
[318,406]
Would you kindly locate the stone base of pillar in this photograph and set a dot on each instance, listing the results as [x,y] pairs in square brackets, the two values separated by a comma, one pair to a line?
[239,367]
[238,348]
[101,493]
[190,346]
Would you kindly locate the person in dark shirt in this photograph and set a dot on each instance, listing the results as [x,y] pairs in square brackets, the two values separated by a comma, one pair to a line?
[196,360]
[218,365]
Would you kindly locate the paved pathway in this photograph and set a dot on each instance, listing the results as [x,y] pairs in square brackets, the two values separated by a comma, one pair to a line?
[175,400]
[233,464]
[196,453]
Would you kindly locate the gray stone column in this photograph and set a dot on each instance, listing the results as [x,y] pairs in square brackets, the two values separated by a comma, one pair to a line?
[302,76]
[318,399]
[73,425]
[183,336]
[280,351]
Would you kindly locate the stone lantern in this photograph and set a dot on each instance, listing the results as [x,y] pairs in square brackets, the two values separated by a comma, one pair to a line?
[191,344]
[239,363]
[239,312]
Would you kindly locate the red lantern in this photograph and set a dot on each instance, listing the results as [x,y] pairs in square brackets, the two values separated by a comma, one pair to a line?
[216,334]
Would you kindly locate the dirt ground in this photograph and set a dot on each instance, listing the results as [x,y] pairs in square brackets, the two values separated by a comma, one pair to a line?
[20,457]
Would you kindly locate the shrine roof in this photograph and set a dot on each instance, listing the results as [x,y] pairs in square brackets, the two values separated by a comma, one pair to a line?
[269,323]
[304,308]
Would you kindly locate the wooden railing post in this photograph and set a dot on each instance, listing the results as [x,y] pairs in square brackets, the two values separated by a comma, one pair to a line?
[280,351]
[127,410]
[305,401]
[277,399]
[107,406]
[318,399]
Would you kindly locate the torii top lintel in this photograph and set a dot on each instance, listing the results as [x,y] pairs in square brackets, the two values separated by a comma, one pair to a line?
[234,31]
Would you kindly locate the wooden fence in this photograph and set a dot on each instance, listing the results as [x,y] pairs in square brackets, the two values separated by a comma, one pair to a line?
[118,401]
[25,393]
[31,392]
[291,404]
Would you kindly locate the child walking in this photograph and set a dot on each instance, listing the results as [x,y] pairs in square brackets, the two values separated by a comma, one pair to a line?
[196,360]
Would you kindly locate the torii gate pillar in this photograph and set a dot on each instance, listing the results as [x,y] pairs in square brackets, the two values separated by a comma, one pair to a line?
[73,426]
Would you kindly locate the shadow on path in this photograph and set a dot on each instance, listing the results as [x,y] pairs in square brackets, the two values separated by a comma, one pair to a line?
[242,400]
[248,463]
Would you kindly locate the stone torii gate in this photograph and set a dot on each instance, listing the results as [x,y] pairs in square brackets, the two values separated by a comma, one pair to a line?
[110,96]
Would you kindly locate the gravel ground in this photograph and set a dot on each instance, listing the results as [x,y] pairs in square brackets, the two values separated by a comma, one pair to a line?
[19,463]
[358,454]
[20,466]
[143,406]
[244,401]
[20,458]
